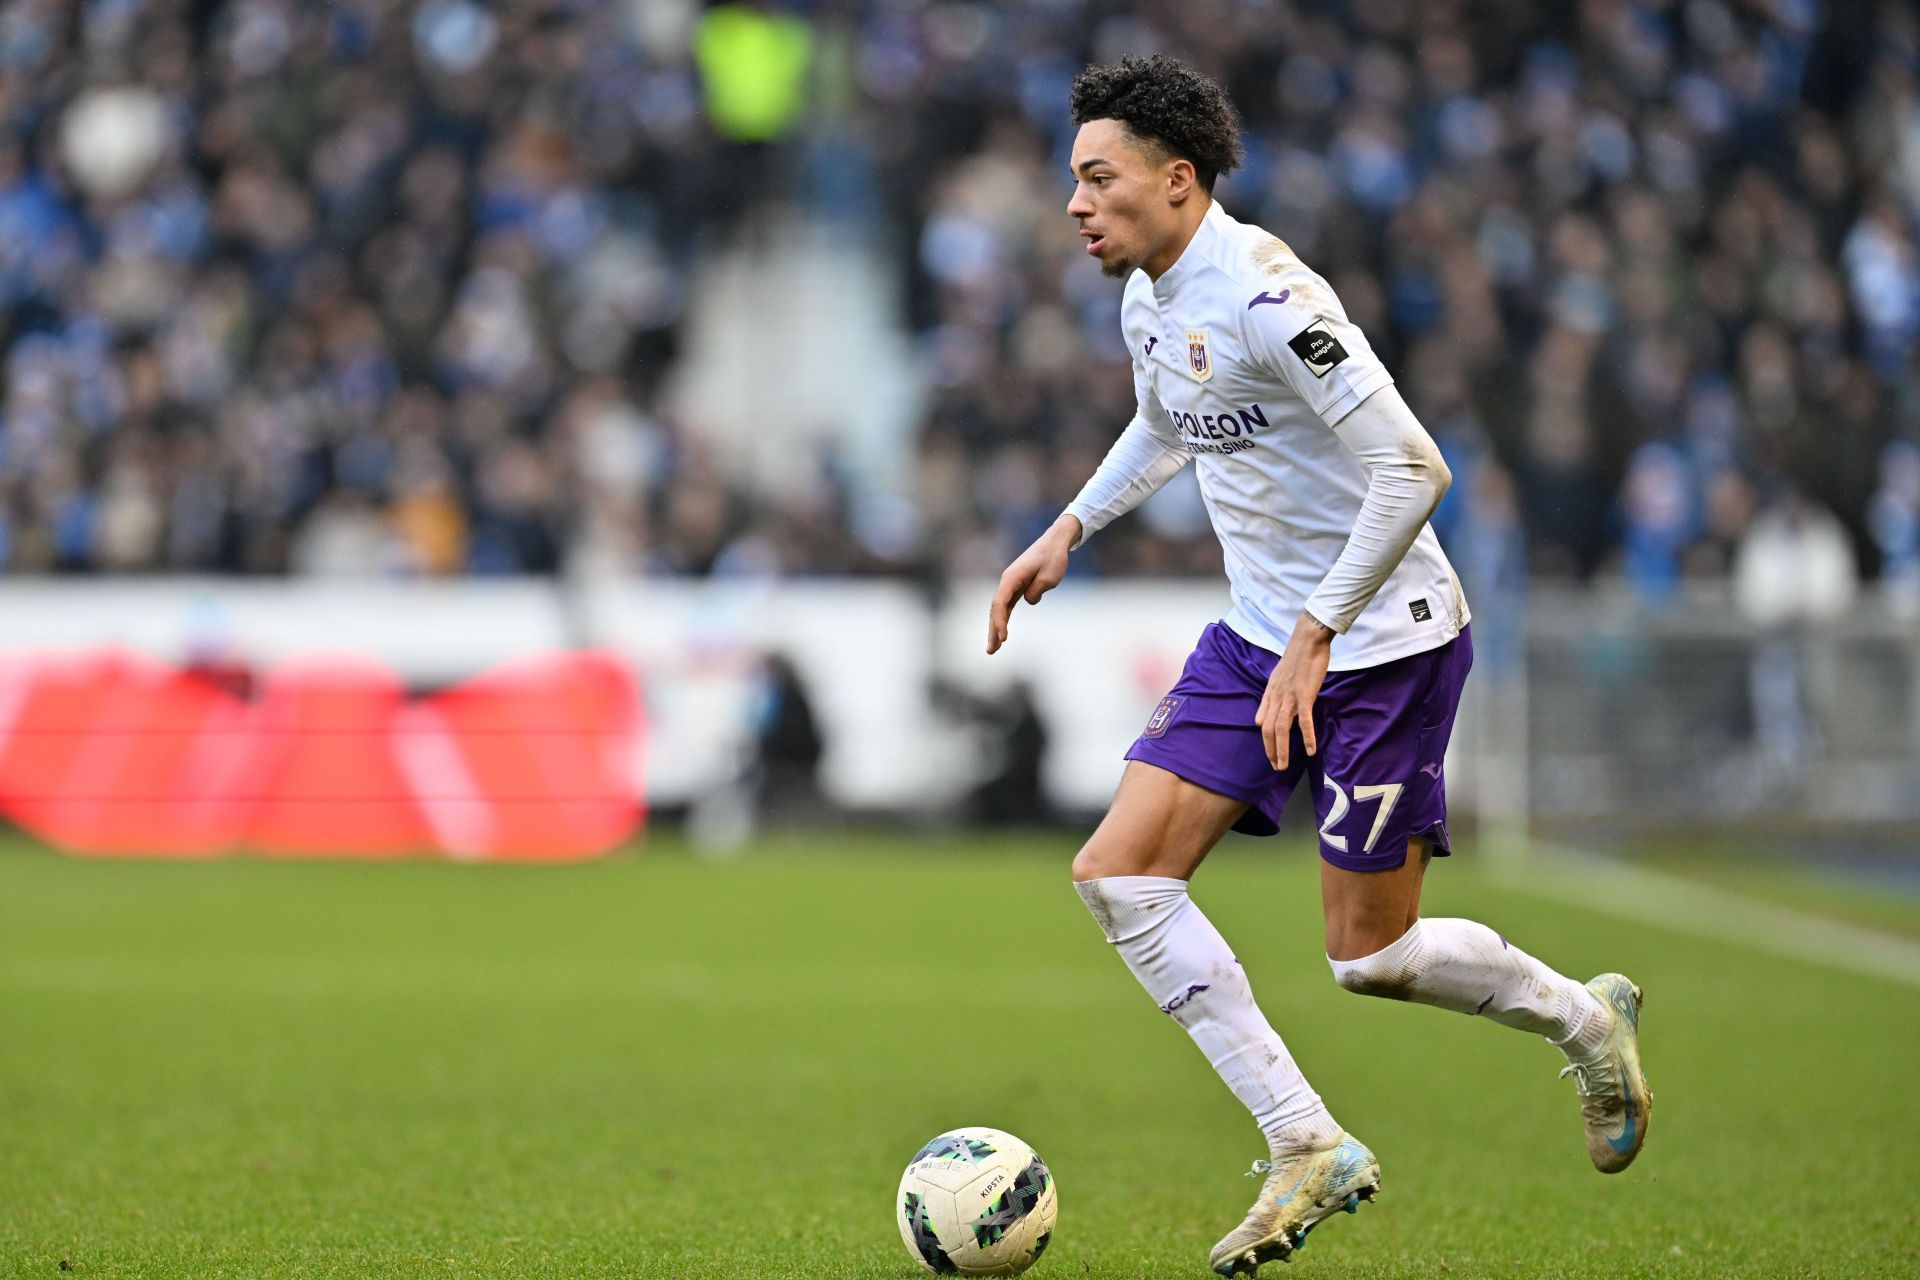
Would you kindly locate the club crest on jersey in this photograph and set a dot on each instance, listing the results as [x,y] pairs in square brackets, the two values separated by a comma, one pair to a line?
[1199,360]
[1157,724]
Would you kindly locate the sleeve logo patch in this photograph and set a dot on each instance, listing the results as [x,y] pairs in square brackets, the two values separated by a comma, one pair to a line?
[1317,348]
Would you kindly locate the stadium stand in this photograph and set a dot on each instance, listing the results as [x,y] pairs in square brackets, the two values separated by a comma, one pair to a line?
[397,288]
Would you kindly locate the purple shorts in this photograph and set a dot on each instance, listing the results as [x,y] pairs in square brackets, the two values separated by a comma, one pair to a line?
[1379,778]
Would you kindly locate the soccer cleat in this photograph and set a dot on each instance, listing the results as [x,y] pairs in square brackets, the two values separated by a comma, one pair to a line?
[1614,1099]
[1299,1193]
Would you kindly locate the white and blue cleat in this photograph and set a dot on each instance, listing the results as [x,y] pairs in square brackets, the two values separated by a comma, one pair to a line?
[1300,1192]
[1615,1103]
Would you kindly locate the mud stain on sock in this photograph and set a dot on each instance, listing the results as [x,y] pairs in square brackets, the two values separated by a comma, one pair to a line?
[1096,899]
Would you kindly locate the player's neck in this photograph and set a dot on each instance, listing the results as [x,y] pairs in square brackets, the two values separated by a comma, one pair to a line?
[1191,215]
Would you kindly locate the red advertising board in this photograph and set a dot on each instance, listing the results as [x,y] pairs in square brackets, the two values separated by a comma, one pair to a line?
[109,752]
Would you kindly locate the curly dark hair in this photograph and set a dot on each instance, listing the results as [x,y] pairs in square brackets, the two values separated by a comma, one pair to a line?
[1160,101]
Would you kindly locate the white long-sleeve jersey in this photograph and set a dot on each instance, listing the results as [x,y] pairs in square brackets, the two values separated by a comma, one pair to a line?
[1245,363]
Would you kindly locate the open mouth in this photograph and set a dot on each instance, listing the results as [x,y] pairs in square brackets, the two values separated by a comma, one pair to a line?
[1094,243]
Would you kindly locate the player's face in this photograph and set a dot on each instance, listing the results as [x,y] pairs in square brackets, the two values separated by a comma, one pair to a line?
[1119,197]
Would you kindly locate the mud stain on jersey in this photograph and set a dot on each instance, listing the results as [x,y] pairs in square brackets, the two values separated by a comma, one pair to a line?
[1460,617]
[1423,453]
[1272,255]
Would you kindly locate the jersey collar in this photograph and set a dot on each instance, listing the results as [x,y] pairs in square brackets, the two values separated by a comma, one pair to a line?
[1199,252]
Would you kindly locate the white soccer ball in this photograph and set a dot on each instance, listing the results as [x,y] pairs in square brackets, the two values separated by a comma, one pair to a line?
[976,1202]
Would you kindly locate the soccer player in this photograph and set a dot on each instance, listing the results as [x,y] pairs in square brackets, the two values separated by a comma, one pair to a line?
[1338,667]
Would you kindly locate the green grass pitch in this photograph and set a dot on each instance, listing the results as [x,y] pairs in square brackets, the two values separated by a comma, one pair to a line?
[653,1066]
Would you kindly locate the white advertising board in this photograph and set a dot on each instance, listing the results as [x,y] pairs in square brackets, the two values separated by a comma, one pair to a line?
[1097,658]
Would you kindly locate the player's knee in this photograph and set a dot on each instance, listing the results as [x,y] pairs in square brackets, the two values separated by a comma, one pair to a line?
[1093,863]
[1103,856]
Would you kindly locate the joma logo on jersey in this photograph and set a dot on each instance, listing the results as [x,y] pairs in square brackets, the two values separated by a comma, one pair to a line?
[1199,362]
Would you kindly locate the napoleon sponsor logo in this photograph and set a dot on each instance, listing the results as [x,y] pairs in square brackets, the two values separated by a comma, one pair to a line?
[1317,348]
[1229,431]
[1421,613]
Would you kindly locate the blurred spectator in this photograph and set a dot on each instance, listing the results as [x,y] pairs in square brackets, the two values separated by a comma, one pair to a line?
[1658,505]
[754,60]
[1894,515]
[784,776]
[1796,567]
[1794,571]
[1015,738]
[1488,547]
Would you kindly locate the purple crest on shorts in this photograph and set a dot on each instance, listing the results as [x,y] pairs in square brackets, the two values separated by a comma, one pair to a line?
[1157,723]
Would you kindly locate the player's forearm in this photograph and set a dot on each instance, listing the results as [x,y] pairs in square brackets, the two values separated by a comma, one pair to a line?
[1406,478]
[1137,465]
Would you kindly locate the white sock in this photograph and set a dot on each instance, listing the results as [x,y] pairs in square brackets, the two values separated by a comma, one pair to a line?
[1468,968]
[1191,973]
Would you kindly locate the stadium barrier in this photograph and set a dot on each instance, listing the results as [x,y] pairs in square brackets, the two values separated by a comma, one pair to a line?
[1584,709]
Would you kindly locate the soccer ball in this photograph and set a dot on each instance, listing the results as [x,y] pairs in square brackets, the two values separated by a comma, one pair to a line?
[976,1202]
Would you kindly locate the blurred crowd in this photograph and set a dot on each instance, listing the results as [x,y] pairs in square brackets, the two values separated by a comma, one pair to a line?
[398,287]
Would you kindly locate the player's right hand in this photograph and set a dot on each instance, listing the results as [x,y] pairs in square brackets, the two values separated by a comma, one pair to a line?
[1038,570]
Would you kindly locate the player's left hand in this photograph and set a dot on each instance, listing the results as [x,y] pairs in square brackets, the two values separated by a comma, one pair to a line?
[1292,689]
[1038,571]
